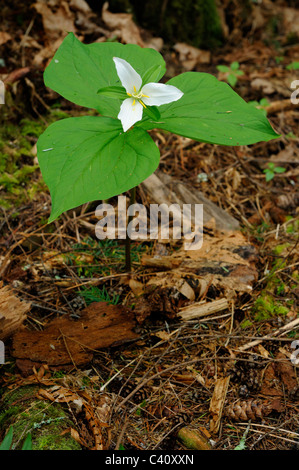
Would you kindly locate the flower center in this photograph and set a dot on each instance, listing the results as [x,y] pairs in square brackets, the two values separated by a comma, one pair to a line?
[137,95]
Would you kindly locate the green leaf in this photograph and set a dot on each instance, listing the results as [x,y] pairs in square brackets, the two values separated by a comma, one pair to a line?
[153,74]
[269,175]
[242,444]
[28,443]
[78,71]
[90,158]
[7,441]
[264,102]
[235,66]
[152,112]
[232,79]
[113,92]
[210,111]
[279,169]
[293,66]
[222,68]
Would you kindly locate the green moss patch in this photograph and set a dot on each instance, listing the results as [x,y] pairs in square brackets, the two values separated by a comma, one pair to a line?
[45,421]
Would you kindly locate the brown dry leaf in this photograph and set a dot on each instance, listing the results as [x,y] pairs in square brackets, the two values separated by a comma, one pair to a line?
[58,394]
[163,335]
[288,155]
[80,5]
[217,403]
[47,52]
[58,24]
[12,312]
[4,37]
[225,261]
[28,41]
[65,341]
[122,25]
[185,289]
[287,374]
[290,19]
[233,179]
[191,56]
[263,351]
[103,408]
[136,286]
[75,435]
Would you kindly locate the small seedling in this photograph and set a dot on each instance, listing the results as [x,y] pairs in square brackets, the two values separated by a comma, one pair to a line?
[293,66]
[262,105]
[272,170]
[290,135]
[233,72]
[242,444]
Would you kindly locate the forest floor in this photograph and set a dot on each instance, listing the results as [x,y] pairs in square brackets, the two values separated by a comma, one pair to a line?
[189,350]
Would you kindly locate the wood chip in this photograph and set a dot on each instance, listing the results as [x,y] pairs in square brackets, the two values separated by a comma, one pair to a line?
[200,309]
[217,403]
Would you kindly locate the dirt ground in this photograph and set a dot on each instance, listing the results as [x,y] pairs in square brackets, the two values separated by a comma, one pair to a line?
[191,350]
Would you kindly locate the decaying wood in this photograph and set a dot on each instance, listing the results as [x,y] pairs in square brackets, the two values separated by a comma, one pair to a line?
[65,341]
[193,439]
[163,189]
[217,403]
[12,312]
[200,309]
[226,260]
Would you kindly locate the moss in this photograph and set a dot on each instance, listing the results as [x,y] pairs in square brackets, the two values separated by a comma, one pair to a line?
[266,307]
[20,179]
[45,421]
[246,324]
[279,249]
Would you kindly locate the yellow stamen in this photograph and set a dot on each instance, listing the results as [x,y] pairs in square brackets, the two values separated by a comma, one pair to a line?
[135,89]
[144,95]
[133,103]
[142,103]
[129,94]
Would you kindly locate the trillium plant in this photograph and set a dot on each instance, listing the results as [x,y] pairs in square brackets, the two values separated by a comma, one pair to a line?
[92,158]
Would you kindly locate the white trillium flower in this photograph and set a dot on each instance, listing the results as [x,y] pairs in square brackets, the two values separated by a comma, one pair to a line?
[151,94]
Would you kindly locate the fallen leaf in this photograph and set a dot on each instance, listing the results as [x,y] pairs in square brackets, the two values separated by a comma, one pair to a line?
[57,24]
[122,25]
[4,37]
[191,56]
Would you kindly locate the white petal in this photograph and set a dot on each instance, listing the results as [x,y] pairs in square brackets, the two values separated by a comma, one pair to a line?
[128,76]
[129,113]
[159,93]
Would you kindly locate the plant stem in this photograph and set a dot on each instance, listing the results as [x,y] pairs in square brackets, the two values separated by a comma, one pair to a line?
[128,239]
